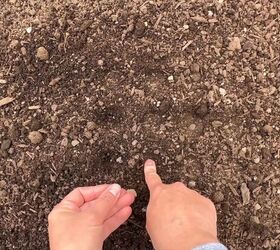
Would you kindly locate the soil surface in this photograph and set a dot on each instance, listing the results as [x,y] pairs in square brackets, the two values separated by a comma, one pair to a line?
[90,89]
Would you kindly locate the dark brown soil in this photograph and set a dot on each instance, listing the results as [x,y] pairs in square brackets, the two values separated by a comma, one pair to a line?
[192,84]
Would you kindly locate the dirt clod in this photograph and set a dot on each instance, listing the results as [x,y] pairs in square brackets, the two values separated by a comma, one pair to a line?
[218,197]
[6,144]
[202,110]
[42,54]
[267,129]
[35,137]
[234,44]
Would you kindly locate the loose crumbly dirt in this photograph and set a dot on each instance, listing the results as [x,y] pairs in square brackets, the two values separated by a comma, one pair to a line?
[107,84]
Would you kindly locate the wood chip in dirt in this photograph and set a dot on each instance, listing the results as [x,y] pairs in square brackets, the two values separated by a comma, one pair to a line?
[245,193]
[6,101]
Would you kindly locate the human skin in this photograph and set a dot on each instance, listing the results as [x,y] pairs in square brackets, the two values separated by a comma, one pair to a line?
[87,216]
[177,217]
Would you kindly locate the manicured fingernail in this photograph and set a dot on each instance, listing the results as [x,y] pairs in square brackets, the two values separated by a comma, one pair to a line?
[150,165]
[115,189]
[132,191]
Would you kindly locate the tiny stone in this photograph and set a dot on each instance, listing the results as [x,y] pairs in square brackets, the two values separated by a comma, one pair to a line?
[191,184]
[234,44]
[29,30]
[195,68]
[171,78]
[255,219]
[192,127]
[91,125]
[14,43]
[6,144]
[131,162]
[42,54]
[257,207]
[196,77]
[222,91]
[267,129]
[119,160]
[217,124]
[74,143]
[125,136]
[35,137]
[100,62]
[257,160]
[3,81]
[2,184]
[23,51]
[134,143]
[156,152]
[218,197]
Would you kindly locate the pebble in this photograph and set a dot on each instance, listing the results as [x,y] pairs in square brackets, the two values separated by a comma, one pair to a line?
[23,51]
[195,68]
[2,184]
[119,160]
[234,44]
[257,160]
[170,78]
[134,143]
[6,144]
[14,43]
[191,184]
[222,91]
[257,207]
[217,124]
[156,152]
[91,125]
[218,197]
[267,129]
[100,62]
[74,143]
[3,81]
[192,127]
[42,54]
[35,137]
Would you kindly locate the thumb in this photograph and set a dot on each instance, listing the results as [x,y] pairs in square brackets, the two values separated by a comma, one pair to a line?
[151,176]
[106,201]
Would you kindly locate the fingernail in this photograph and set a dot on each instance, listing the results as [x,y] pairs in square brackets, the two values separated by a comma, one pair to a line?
[132,191]
[150,165]
[115,189]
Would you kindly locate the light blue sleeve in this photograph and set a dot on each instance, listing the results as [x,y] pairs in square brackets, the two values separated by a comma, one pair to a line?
[211,246]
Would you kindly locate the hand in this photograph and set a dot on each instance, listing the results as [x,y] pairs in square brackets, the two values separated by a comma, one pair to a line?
[87,216]
[177,217]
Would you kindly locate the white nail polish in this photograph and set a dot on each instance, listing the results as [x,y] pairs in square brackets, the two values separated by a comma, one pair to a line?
[115,189]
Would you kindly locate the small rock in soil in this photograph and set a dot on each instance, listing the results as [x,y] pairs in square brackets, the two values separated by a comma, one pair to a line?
[2,184]
[6,144]
[196,77]
[218,197]
[267,129]
[191,184]
[202,110]
[245,193]
[74,143]
[91,125]
[42,54]
[35,137]
[195,68]
[234,44]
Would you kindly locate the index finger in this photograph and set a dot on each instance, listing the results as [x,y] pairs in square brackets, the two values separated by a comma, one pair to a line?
[151,176]
[81,195]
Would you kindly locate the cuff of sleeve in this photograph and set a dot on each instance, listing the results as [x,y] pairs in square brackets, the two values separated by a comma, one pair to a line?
[211,246]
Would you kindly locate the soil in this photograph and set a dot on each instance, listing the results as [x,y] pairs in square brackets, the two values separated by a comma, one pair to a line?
[104,85]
